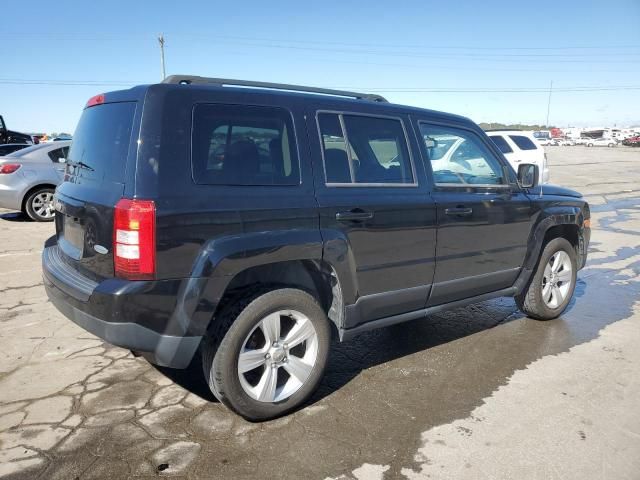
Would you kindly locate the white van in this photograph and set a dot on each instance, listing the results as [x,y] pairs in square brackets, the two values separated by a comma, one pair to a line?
[521,147]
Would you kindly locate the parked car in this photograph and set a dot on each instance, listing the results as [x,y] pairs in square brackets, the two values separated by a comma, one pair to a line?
[601,142]
[632,141]
[545,141]
[565,142]
[9,136]
[583,140]
[8,148]
[29,176]
[249,223]
[521,147]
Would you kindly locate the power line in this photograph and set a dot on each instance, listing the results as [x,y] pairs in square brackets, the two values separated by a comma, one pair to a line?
[499,57]
[320,42]
[592,88]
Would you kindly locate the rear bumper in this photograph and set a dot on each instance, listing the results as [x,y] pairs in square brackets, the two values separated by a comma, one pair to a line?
[114,311]
[10,197]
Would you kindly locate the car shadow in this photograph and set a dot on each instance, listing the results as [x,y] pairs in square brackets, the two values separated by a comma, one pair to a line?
[527,339]
[14,217]
[348,359]
[191,378]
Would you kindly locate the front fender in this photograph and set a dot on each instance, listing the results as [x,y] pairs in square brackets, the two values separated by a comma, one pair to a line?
[550,217]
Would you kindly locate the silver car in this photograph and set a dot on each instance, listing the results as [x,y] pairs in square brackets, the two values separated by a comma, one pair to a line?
[29,177]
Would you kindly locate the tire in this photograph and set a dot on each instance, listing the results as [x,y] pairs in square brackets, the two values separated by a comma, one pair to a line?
[610,145]
[39,205]
[531,300]
[242,324]
[589,144]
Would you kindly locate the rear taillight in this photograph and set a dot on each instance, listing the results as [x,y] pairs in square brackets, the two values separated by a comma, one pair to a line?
[9,167]
[134,239]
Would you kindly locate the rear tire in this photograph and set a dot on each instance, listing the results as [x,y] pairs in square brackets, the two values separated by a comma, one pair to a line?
[553,283]
[248,363]
[39,205]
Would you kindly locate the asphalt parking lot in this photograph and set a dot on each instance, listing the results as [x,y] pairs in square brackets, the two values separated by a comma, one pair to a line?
[479,392]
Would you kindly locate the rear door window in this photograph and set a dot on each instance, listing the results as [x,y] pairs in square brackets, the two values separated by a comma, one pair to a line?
[523,143]
[362,149]
[101,142]
[243,145]
[501,143]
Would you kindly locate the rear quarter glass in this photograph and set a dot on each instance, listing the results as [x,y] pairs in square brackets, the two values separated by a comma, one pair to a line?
[100,145]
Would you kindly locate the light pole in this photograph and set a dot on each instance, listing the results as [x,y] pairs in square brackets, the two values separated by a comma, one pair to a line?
[161,42]
[549,103]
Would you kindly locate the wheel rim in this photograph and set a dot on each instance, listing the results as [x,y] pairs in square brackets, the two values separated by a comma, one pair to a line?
[278,356]
[42,205]
[557,279]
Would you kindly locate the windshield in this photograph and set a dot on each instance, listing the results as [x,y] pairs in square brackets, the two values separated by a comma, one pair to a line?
[438,148]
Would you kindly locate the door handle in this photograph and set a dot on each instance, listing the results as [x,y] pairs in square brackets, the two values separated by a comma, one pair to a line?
[353,216]
[459,211]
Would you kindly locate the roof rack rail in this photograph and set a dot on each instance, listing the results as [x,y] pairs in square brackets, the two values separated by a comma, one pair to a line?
[192,79]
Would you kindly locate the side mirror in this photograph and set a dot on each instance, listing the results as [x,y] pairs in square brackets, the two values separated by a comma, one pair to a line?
[528,174]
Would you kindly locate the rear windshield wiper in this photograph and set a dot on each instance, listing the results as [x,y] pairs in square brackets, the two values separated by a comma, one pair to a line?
[81,165]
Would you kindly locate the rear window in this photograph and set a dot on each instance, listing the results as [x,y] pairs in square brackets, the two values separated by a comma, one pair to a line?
[243,145]
[501,143]
[101,142]
[27,150]
[58,154]
[523,143]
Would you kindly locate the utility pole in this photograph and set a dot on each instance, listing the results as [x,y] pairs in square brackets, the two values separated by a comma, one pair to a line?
[161,42]
[549,103]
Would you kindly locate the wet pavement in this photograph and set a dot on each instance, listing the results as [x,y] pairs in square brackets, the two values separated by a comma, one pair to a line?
[479,392]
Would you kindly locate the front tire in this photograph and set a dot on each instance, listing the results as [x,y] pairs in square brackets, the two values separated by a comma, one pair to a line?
[39,205]
[268,353]
[553,283]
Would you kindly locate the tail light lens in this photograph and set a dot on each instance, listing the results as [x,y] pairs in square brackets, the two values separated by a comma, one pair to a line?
[134,239]
[95,100]
[9,167]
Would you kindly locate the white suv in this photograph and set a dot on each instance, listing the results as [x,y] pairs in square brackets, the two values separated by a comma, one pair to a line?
[602,142]
[521,147]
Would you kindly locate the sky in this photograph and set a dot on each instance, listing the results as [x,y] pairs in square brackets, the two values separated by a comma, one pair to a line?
[492,61]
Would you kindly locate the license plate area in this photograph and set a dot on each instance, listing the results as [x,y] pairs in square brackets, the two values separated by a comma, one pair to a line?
[72,241]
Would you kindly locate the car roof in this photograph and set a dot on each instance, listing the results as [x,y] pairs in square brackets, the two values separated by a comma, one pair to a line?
[253,94]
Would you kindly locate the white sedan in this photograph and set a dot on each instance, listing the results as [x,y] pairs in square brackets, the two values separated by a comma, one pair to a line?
[602,142]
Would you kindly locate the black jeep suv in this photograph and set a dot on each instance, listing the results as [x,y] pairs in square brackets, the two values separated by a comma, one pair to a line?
[248,221]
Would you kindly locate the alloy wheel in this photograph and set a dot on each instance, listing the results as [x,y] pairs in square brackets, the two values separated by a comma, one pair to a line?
[557,278]
[278,356]
[42,205]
